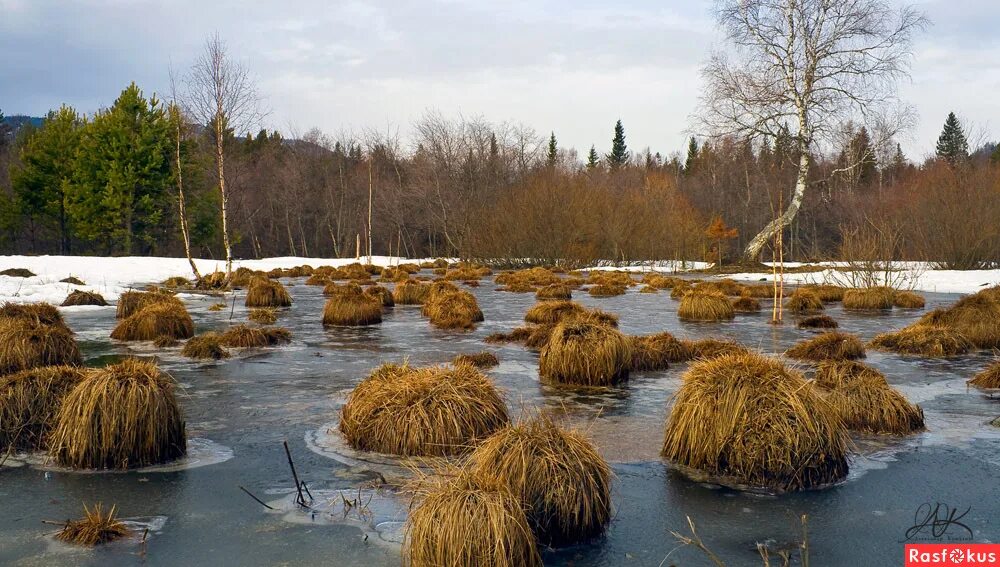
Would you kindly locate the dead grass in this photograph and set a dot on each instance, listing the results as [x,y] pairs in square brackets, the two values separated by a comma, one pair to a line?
[865,401]
[80,297]
[988,378]
[923,340]
[481,360]
[656,352]
[606,290]
[119,417]
[448,309]
[818,322]
[27,343]
[165,342]
[433,411]
[712,348]
[380,294]
[17,273]
[459,521]
[746,304]
[585,354]
[29,401]
[206,346]
[43,313]
[157,320]
[659,281]
[531,277]
[746,419]
[176,281]
[803,300]
[245,336]
[131,302]
[352,309]
[869,299]
[705,306]
[557,474]
[263,315]
[831,345]
[976,317]
[267,293]
[558,291]
[908,300]
[95,528]
[410,292]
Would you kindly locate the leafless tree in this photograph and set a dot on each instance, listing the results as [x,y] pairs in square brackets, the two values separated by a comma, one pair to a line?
[179,130]
[222,95]
[808,66]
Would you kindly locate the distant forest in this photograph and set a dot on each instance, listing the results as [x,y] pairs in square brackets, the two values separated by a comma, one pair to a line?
[108,184]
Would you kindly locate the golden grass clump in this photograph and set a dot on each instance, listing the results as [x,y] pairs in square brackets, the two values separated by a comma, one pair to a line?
[988,378]
[131,302]
[352,309]
[758,291]
[157,320]
[460,521]
[865,401]
[556,311]
[43,313]
[80,297]
[869,299]
[263,315]
[119,417]
[452,309]
[245,336]
[976,317]
[746,304]
[828,293]
[518,287]
[164,342]
[482,360]
[433,411]
[216,307]
[817,322]
[656,352]
[648,289]
[558,475]
[554,291]
[95,528]
[531,277]
[17,273]
[831,345]
[586,354]
[610,278]
[606,290]
[380,294]
[659,281]
[705,306]
[318,279]
[923,340]
[267,293]
[746,420]
[341,289]
[712,348]
[27,343]
[176,281]
[72,280]
[680,289]
[803,300]
[410,292]
[467,272]
[29,401]
[205,346]
[908,300]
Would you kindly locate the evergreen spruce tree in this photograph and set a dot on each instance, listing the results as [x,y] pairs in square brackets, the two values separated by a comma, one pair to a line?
[952,146]
[692,156]
[619,151]
[553,151]
[592,159]
[41,181]
[120,193]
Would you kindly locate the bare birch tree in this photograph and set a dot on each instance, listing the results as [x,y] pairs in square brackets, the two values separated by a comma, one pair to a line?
[222,95]
[808,66]
[176,118]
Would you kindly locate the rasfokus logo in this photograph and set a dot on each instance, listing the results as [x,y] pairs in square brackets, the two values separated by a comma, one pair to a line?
[946,554]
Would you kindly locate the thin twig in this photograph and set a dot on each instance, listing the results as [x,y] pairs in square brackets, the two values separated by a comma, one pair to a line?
[259,501]
[295,476]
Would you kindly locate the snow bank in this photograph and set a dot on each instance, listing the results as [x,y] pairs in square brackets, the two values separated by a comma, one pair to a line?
[940,281]
[112,276]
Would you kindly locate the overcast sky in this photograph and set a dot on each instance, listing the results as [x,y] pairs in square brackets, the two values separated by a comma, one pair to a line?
[572,67]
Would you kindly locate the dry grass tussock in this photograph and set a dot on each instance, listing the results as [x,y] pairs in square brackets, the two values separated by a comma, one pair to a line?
[459,520]
[908,300]
[817,322]
[865,401]
[923,340]
[263,315]
[746,420]
[80,297]
[481,360]
[380,294]
[96,527]
[531,277]
[119,417]
[556,311]
[659,281]
[712,348]
[988,378]
[803,300]
[206,346]
[131,302]
[746,304]
[29,401]
[657,351]
[976,317]
[410,292]
[585,354]
[558,475]
[433,411]
[42,313]
[352,309]
[705,306]
[267,293]
[606,290]
[245,336]
[831,345]
[27,343]
[610,278]
[452,309]
[557,291]
[869,299]
[157,320]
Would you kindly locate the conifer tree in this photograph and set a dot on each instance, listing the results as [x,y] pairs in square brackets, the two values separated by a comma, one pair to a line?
[592,159]
[553,151]
[952,146]
[619,151]
[692,156]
